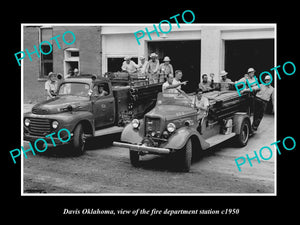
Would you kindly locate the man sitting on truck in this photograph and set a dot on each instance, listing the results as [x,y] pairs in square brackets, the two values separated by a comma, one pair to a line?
[102,92]
[99,90]
[169,87]
[207,85]
[201,103]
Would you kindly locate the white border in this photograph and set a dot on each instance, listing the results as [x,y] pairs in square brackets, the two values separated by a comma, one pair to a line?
[274,25]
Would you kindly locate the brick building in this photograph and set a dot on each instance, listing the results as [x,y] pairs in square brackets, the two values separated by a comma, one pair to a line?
[84,54]
[193,48]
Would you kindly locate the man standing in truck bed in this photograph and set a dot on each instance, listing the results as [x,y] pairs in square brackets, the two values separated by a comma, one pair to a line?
[152,69]
[128,65]
[225,83]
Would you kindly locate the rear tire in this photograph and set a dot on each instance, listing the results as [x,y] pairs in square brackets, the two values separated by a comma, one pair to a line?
[134,158]
[243,137]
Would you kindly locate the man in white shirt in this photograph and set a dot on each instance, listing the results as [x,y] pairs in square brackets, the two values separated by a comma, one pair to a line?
[249,77]
[51,86]
[142,65]
[169,87]
[201,104]
[263,95]
[176,80]
[128,65]
[165,69]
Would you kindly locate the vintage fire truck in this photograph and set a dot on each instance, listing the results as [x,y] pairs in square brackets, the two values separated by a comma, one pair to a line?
[90,106]
[172,127]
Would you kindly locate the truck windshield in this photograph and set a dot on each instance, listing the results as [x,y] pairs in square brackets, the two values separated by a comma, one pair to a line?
[175,99]
[77,89]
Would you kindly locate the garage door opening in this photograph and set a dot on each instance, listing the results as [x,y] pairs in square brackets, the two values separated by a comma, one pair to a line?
[184,55]
[243,54]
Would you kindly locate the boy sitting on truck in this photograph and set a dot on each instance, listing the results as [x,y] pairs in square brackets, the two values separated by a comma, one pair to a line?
[201,103]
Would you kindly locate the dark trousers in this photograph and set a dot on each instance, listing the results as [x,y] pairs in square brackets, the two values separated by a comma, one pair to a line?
[258,112]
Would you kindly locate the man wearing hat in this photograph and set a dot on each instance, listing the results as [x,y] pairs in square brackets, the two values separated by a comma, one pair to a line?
[50,86]
[263,96]
[142,65]
[152,68]
[224,82]
[128,65]
[250,77]
[251,72]
[165,69]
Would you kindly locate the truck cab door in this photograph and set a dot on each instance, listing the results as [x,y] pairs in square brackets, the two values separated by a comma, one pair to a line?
[103,104]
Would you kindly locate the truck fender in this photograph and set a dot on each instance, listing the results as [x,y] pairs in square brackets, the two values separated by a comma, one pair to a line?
[238,118]
[181,136]
[133,135]
[88,126]
[84,117]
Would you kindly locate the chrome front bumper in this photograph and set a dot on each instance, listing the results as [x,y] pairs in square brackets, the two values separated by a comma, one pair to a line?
[33,138]
[142,148]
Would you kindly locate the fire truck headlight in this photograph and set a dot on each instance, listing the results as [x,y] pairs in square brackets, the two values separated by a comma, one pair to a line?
[171,127]
[135,123]
[26,122]
[54,124]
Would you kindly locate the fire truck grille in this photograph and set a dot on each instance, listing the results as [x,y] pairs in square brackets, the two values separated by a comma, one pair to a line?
[153,126]
[39,126]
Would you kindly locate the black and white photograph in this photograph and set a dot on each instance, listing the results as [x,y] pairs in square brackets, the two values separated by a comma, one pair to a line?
[150,112]
[142,109]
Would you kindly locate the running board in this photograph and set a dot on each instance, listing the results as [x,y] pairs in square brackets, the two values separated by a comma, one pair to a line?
[217,139]
[110,130]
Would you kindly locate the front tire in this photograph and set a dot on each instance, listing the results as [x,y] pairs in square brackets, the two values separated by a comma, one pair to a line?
[185,157]
[134,158]
[79,140]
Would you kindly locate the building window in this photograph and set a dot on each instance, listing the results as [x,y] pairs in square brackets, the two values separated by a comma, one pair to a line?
[71,61]
[46,60]
[74,54]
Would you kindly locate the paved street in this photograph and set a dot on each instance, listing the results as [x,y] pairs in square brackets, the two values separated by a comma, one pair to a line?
[106,169]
